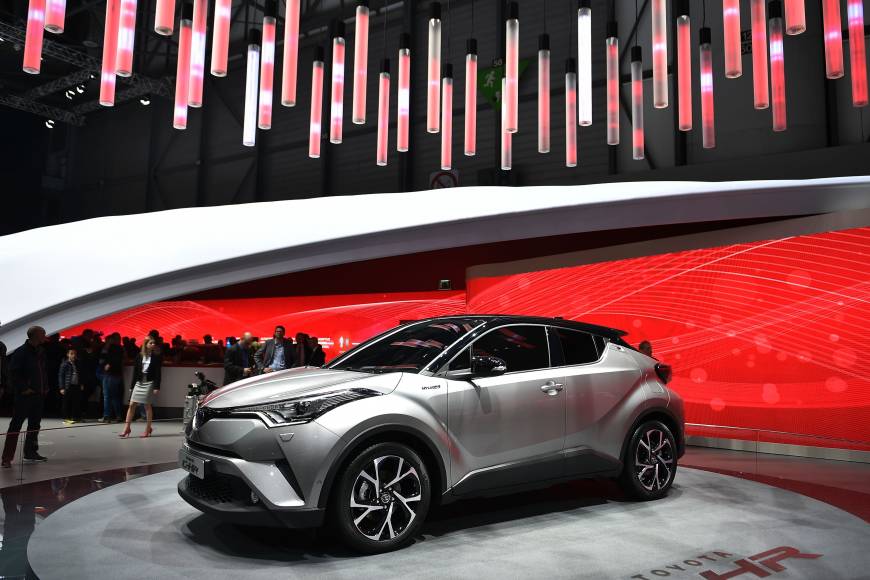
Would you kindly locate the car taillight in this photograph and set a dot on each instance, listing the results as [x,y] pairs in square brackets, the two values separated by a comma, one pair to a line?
[664,372]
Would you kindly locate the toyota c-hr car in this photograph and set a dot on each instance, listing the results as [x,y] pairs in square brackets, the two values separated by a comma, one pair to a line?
[427,413]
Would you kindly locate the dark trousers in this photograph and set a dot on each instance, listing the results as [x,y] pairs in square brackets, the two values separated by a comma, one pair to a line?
[72,402]
[112,394]
[26,407]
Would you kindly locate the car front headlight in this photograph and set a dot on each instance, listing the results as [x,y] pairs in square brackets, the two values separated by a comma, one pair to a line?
[306,408]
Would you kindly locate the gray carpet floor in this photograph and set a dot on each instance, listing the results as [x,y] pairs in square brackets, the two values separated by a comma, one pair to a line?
[142,529]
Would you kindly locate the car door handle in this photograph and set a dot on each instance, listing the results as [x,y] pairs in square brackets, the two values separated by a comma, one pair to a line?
[551,387]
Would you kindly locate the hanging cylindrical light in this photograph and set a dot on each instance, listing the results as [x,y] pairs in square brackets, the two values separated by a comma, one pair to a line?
[267,64]
[637,146]
[506,137]
[759,55]
[403,123]
[55,13]
[544,93]
[447,118]
[336,111]
[795,17]
[857,56]
[570,113]
[197,52]
[584,60]
[110,52]
[182,71]
[291,53]
[777,65]
[731,26]
[660,53]
[384,113]
[252,85]
[126,36]
[708,124]
[220,37]
[684,66]
[471,98]
[360,62]
[433,87]
[612,65]
[512,66]
[833,38]
[164,17]
[33,37]
[316,125]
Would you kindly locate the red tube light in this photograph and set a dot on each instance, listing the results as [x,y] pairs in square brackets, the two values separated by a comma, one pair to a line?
[33,37]
[164,17]
[267,65]
[637,144]
[777,65]
[360,62]
[182,74]
[795,17]
[110,50]
[731,27]
[612,84]
[252,84]
[471,98]
[220,37]
[833,38]
[544,93]
[684,68]
[336,111]
[55,13]
[384,113]
[708,120]
[571,113]
[433,91]
[759,55]
[660,53]
[291,53]
[857,56]
[447,118]
[512,66]
[507,154]
[197,53]
[316,125]
[126,38]
[404,106]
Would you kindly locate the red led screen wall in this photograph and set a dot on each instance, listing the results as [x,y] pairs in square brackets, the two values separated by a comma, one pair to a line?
[769,335]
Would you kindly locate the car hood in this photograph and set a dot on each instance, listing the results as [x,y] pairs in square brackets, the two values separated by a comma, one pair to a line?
[296,382]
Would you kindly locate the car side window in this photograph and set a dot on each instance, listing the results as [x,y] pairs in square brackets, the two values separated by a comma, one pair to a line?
[600,344]
[522,348]
[462,362]
[578,347]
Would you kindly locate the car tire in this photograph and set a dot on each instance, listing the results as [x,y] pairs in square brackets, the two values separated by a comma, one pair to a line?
[371,515]
[650,462]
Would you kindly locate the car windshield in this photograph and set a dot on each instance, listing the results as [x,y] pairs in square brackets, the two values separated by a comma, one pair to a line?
[408,349]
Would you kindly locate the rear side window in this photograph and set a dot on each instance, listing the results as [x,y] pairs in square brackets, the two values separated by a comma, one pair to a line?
[522,348]
[578,348]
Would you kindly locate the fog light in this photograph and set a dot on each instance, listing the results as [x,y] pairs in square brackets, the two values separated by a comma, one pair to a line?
[255,499]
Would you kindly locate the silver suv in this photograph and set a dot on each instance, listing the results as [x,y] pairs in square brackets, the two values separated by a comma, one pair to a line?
[428,413]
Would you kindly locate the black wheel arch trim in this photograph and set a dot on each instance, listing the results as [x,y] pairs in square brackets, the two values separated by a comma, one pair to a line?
[374,433]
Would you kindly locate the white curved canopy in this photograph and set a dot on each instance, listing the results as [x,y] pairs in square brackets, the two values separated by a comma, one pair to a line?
[49,279]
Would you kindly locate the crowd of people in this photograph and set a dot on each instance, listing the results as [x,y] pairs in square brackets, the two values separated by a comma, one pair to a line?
[60,375]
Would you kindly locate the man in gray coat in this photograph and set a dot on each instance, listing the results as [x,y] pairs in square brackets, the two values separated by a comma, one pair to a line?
[276,354]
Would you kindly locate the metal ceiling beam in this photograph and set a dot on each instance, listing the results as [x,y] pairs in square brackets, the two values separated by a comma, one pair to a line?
[61,84]
[31,106]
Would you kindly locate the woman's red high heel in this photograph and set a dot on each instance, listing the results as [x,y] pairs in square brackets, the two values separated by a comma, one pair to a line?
[147,433]
[126,432]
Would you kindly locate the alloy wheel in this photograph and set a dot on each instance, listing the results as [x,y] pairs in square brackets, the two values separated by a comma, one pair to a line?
[654,460]
[384,498]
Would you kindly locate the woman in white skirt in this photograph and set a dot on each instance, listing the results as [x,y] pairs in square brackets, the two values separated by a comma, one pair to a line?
[146,384]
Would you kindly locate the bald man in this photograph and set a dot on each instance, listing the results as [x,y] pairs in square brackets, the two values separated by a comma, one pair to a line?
[239,361]
[28,381]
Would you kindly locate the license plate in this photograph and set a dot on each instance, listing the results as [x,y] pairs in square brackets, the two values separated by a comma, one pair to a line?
[192,464]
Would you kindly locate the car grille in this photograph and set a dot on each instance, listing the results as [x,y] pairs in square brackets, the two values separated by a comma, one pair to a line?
[219,488]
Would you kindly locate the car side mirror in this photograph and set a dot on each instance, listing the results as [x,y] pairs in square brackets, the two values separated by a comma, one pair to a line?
[487,366]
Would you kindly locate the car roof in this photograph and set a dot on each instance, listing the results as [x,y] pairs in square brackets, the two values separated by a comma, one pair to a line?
[499,319]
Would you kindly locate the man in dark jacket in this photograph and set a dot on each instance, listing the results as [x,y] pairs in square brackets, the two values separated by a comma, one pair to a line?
[112,364]
[318,357]
[28,381]
[276,354]
[238,361]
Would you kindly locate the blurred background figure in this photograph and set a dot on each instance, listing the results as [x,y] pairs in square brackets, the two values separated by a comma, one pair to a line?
[318,357]
[646,348]
[239,361]
[69,381]
[28,381]
[112,365]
